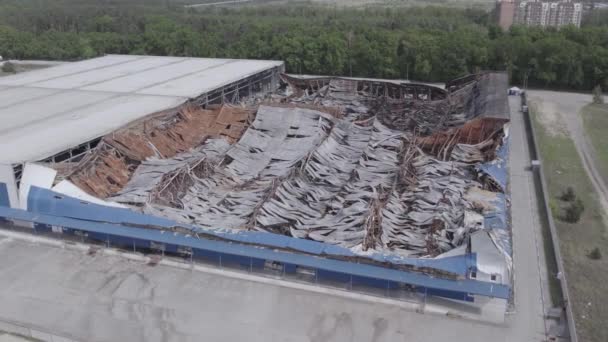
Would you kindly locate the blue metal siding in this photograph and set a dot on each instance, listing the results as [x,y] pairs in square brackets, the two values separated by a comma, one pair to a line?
[447,294]
[290,268]
[367,281]
[211,249]
[42,228]
[335,276]
[244,262]
[257,263]
[206,255]
[45,201]
[4,200]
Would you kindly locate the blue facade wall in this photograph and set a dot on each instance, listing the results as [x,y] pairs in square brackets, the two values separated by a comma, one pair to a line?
[447,294]
[4,200]
[214,251]
[47,202]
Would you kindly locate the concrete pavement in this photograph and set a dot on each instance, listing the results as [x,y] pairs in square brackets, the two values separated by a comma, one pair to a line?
[531,278]
[106,298]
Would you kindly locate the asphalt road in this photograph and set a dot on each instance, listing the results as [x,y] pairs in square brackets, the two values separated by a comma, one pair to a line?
[530,271]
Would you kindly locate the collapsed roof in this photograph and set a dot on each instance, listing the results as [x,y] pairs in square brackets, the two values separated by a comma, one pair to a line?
[396,168]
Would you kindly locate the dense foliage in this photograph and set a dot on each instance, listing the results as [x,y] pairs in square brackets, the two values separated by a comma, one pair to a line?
[428,44]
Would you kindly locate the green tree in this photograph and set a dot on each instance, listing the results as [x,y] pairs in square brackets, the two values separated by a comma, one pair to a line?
[428,43]
[9,68]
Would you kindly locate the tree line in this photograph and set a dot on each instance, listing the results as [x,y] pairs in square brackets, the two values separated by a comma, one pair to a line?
[429,44]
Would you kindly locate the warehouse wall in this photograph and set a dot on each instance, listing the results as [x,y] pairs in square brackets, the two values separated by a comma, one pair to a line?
[8,187]
[54,213]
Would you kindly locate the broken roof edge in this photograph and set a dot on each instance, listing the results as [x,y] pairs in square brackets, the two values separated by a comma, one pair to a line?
[48,202]
[497,169]
[189,57]
[492,101]
[250,73]
[399,83]
[66,128]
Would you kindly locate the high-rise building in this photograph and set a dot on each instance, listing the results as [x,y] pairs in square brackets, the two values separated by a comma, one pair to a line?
[539,13]
[506,13]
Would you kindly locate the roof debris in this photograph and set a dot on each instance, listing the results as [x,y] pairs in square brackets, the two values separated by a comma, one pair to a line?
[108,168]
[362,164]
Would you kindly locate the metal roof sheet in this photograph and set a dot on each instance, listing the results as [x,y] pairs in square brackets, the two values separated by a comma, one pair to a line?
[46,111]
[39,75]
[221,74]
[82,79]
[13,96]
[141,80]
[49,126]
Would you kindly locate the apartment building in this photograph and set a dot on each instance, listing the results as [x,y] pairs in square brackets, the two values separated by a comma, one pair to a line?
[538,13]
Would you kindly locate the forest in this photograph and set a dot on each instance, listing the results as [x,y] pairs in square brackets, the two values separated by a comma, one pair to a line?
[430,44]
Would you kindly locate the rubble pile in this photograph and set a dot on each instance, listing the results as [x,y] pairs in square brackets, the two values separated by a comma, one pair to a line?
[363,164]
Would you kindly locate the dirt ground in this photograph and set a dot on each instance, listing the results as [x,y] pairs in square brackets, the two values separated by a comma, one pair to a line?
[550,117]
[595,118]
[559,112]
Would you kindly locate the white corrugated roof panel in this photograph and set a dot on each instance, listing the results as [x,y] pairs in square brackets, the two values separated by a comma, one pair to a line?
[23,114]
[135,82]
[81,79]
[39,75]
[12,96]
[40,139]
[46,111]
[209,78]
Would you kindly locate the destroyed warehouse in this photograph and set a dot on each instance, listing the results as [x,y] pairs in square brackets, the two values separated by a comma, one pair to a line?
[384,182]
